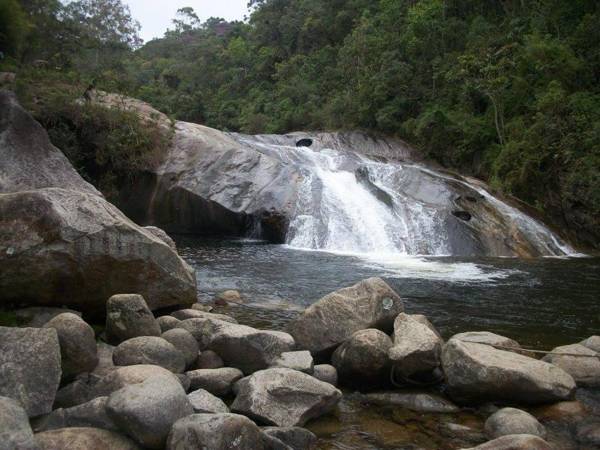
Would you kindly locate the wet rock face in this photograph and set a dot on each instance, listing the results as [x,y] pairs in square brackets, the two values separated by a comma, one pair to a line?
[334,318]
[476,373]
[30,368]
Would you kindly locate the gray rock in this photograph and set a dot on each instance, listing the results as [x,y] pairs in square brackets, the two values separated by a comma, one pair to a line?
[513,421]
[515,442]
[125,376]
[15,431]
[148,410]
[216,381]
[295,437]
[162,235]
[202,329]
[185,381]
[167,323]
[334,318]
[493,339]
[202,307]
[38,316]
[75,393]
[183,341]
[417,345]
[229,296]
[284,397]
[593,343]
[585,368]
[185,314]
[217,432]
[84,438]
[105,364]
[363,357]
[111,254]
[77,344]
[90,414]
[415,401]
[149,350]
[208,360]
[479,373]
[30,367]
[300,360]
[128,316]
[326,373]
[204,402]
[247,348]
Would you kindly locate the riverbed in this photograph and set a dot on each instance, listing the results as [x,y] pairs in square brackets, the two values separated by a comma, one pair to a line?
[542,303]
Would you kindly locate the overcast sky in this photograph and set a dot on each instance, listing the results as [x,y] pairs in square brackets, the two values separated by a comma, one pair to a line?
[155,15]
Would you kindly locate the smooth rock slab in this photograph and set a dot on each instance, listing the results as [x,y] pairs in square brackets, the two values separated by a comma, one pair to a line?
[84,438]
[216,432]
[417,345]
[479,373]
[488,338]
[183,341]
[204,402]
[216,381]
[185,314]
[128,316]
[15,431]
[90,414]
[515,442]
[513,421]
[148,410]
[593,343]
[415,401]
[125,376]
[334,318]
[363,357]
[584,368]
[30,368]
[300,360]
[149,350]
[295,437]
[77,344]
[284,397]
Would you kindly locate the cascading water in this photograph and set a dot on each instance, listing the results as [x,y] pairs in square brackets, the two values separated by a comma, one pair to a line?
[349,203]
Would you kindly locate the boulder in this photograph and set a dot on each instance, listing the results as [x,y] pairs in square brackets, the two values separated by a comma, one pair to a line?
[192,313]
[105,364]
[183,341]
[284,397]
[208,360]
[203,401]
[77,344]
[202,307]
[53,241]
[513,421]
[167,323]
[90,414]
[294,437]
[38,316]
[479,373]
[417,346]
[216,381]
[593,343]
[15,431]
[128,316]
[148,410]
[30,367]
[247,348]
[334,318]
[568,412]
[300,360]
[125,376]
[217,432]
[423,402]
[326,373]
[515,442]
[75,393]
[493,339]
[149,350]
[83,438]
[162,235]
[229,296]
[584,368]
[363,357]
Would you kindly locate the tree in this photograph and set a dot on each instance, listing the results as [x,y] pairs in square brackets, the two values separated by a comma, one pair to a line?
[185,20]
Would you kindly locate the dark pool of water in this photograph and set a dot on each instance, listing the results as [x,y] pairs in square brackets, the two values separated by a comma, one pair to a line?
[542,302]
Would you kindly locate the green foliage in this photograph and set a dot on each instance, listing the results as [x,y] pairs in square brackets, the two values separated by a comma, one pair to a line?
[13,27]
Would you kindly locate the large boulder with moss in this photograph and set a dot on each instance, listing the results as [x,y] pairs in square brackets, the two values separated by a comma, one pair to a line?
[334,318]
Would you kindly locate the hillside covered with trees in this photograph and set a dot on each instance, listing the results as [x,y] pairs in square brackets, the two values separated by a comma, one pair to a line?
[504,90]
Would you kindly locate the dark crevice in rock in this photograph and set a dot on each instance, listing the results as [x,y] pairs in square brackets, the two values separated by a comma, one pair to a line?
[306,142]
[462,215]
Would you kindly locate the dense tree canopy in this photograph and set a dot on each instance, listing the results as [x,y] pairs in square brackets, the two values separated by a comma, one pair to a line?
[505,90]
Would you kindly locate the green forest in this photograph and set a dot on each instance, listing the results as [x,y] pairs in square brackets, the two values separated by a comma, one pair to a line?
[504,90]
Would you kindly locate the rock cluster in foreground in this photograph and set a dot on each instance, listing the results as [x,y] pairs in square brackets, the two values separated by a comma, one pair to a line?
[147,390]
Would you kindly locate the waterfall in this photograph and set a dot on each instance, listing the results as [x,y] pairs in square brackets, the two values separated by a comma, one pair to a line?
[349,203]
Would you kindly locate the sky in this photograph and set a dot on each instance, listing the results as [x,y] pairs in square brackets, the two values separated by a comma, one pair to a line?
[155,15]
